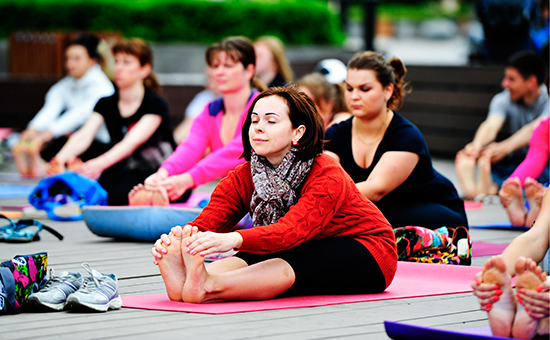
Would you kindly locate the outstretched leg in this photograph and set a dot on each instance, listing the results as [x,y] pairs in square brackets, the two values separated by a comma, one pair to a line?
[260,281]
[511,197]
[486,185]
[502,313]
[534,191]
[21,160]
[171,266]
[528,276]
[465,167]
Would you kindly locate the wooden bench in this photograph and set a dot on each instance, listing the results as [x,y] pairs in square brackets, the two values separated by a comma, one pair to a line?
[22,98]
[447,104]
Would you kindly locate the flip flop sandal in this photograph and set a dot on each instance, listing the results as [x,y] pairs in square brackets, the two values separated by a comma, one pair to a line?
[7,229]
[28,231]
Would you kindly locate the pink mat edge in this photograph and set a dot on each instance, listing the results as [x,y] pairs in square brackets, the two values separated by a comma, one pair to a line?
[161,302]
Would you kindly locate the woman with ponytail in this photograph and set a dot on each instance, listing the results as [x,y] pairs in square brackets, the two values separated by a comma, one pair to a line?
[137,120]
[217,129]
[385,154]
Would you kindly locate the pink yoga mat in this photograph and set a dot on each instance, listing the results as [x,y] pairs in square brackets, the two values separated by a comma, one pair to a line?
[480,248]
[193,201]
[469,205]
[411,280]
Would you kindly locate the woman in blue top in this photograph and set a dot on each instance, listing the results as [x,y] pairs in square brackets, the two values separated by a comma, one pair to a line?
[385,154]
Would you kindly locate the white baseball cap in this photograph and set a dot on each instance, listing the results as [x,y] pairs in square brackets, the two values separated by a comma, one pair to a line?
[334,70]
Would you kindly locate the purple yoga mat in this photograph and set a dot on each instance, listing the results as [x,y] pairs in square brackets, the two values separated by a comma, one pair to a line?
[401,331]
[411,280]
[499,225]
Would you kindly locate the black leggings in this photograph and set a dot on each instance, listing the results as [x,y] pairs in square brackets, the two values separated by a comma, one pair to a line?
[427,215]
[52,147]
[329,266]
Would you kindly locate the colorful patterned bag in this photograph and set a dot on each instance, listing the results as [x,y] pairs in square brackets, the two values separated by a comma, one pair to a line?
[419,244]
[19,277]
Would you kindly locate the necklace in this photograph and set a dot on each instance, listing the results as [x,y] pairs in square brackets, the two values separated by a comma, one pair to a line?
[380,135]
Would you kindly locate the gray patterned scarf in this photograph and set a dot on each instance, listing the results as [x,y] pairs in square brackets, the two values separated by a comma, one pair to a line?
[275,189]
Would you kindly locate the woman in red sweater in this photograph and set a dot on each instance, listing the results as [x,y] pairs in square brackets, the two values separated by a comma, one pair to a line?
[313,231]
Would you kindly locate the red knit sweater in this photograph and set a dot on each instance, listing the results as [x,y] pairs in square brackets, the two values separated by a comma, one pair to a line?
[329,205]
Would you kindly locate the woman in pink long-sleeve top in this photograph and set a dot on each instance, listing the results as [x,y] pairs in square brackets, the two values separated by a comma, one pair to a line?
[533,166]
[216,130]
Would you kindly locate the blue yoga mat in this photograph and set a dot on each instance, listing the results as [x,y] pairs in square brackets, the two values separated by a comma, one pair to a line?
[402,331]
[499,225]
[8,190]
[134,222]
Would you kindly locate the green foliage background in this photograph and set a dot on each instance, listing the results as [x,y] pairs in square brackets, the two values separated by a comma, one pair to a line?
[295,22]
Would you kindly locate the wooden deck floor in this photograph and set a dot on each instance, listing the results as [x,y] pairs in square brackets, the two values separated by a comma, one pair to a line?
[132,263]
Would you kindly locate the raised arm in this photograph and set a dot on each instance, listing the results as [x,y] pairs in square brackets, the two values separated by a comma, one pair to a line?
[391,171]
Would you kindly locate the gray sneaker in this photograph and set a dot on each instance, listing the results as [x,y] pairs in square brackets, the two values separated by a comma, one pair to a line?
[54,294]
[98,292]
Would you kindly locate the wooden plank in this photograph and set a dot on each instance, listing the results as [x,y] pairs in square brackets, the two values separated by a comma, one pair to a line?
[464,100]
[486,75]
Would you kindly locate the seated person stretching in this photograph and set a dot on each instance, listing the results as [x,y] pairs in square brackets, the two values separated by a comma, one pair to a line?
[137,120]
[386,155]
[308,217]
[217,129]
[69,103]
[534,164]
[523,103]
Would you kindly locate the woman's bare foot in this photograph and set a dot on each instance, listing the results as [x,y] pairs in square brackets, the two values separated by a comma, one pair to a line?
[55,167]
[528,276]
[171,266]
[502,312]
[140,196]
[511,197]
[465,167]
[21,160]
[74,164]
[534,191]
[486,184]
[160,197]
[195,288]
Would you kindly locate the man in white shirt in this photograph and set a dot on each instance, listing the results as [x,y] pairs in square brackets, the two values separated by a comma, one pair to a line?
[68,105]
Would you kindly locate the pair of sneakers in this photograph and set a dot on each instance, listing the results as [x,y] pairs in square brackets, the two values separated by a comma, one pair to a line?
[96,291]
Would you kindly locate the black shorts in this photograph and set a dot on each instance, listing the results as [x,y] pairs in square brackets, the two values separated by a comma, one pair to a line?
[329,266]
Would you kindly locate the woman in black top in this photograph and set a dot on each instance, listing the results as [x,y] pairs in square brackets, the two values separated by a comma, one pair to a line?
[385,154]
[136,117]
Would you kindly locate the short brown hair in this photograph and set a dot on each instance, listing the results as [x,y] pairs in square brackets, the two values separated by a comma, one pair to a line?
[301,111]
[241,50]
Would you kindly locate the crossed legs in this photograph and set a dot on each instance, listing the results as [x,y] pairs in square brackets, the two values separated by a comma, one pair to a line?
[188,279]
